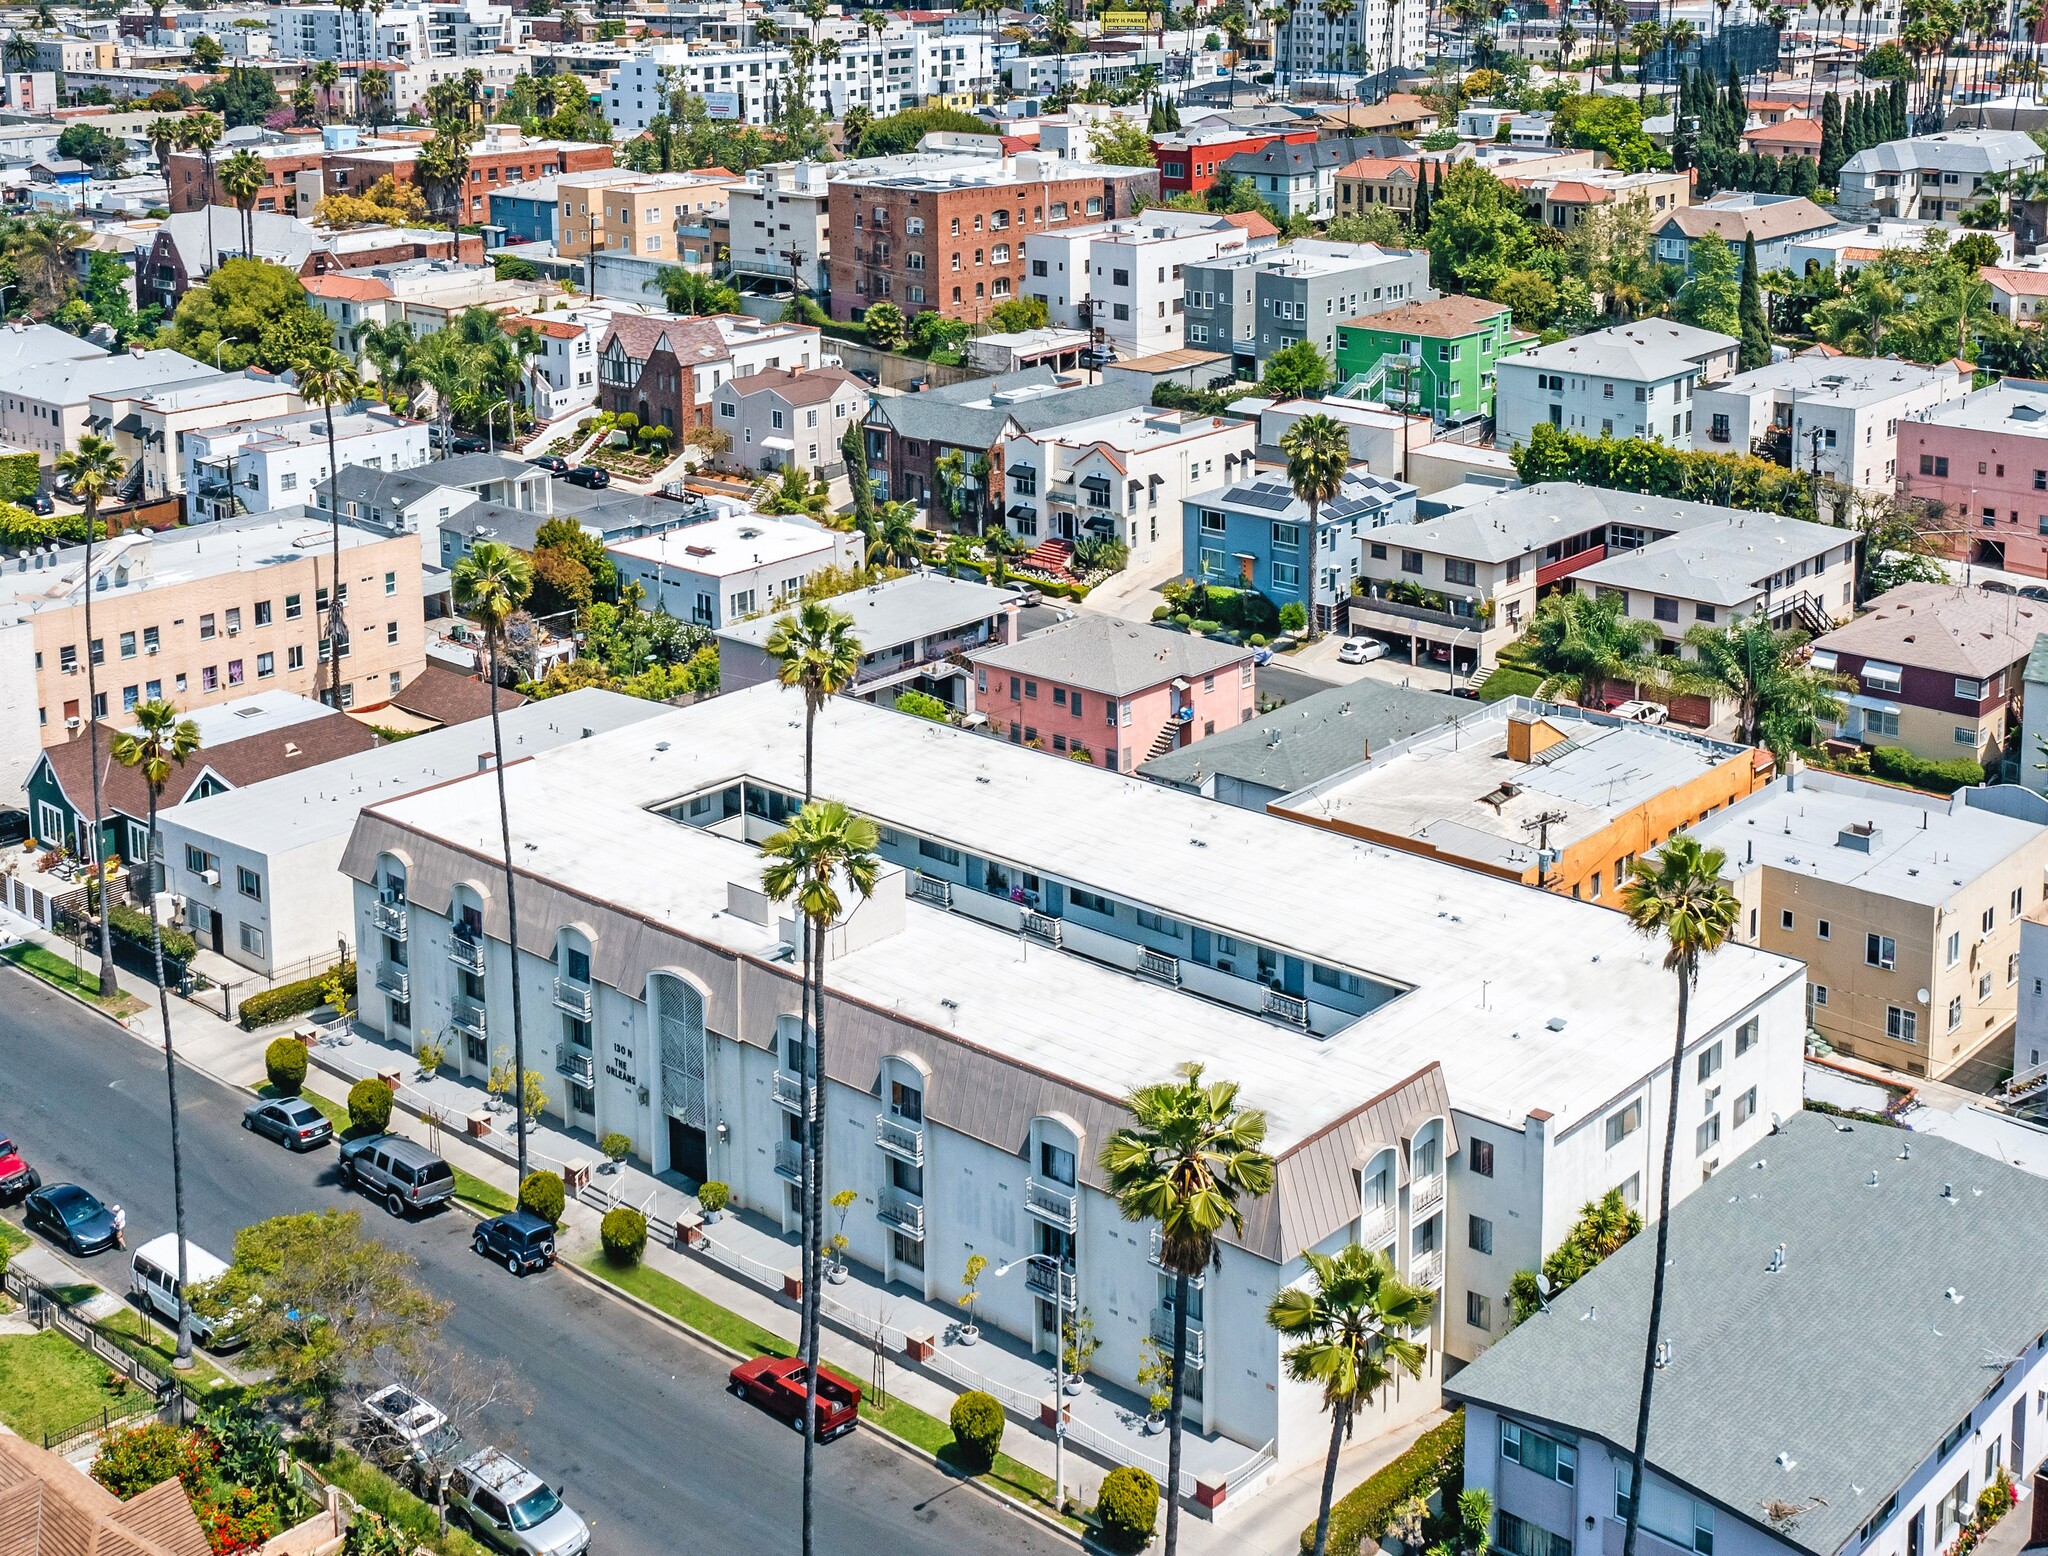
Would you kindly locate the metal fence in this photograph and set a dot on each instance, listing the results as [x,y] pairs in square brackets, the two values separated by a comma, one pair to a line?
[47,1308]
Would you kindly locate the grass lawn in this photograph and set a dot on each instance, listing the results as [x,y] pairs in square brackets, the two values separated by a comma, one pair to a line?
[58,971]
[484,1196]
[1508,681]
[12,1238]
[383,1496]
[141,1336]
[47,1384]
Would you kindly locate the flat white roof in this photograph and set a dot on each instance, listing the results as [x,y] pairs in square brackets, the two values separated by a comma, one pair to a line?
[728,545]
[1844,381]
[246,716]
[1503,987]
[899,610]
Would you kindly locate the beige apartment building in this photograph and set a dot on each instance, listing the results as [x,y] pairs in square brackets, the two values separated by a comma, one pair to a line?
[1905,907]
[201,616]
[148,426]
[665,216]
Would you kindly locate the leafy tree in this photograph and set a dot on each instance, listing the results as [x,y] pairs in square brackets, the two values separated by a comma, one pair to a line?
[567,537]
[387,201]
[1974,250]
[1901,544]
[242,97]
[900,132]
[1379,224]
[884,324]
[561,584]
[1121,143]
[1613,125]
[255,312]
[1712,299]
[1020,314]
[687,292]
[90,144]
[1296,372]
[1532,299]
[1756,332]
[1478,230]
[207,52]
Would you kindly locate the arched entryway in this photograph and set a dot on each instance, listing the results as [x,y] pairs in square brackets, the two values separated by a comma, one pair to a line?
[679,1029]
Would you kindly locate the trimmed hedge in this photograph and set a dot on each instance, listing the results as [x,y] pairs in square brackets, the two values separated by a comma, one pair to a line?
[1127,1508]
[542,1194]
[284,1061]
[1362,1516]
[289,999]
[369,1107]
[20,476]
[623,1232]
[1902,766]
[977,1422]
[133,924]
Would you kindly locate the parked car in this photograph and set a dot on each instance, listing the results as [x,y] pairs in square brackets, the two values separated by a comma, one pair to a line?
[520,1241]
[153,1283]
[467,443]
[1025,594]
[17,1178]
[14,826]
[508,1507]
[42,503]
[776,1384]
[2033,592]
[291,1121]
[1995,586]
[402,1173]
[554,464]
[67,1214]
[868,376]
[1360,651]
[592,476]
[1641,712]
[400,1420]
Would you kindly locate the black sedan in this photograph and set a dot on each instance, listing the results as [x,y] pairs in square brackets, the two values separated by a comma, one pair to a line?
[590,475]
[66,1214]
[554,464]
[291,1121]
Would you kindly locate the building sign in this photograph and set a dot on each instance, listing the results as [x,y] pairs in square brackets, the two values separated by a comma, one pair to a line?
[722,105]
[1130,21]
[620,1066]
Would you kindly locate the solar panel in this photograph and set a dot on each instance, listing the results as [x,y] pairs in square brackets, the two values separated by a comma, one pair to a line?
[1263,495]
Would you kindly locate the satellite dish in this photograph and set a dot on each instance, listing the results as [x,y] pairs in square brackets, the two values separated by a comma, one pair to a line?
[1923,996]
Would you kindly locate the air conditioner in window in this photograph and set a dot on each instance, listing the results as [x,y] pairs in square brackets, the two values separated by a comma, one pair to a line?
[234,632]
[73,723]
[151,649]
[211,877]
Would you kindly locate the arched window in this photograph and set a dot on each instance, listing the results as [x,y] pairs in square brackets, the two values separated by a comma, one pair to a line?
[1378,1194]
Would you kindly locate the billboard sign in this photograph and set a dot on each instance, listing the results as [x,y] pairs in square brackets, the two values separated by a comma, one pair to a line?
[722,105]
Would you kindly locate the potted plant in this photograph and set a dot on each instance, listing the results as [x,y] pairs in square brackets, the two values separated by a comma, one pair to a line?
[1077,1352]
[616,1148]
[836,1245]
[432,1054]
[1155,1381]
[970,1283]
[714,1197]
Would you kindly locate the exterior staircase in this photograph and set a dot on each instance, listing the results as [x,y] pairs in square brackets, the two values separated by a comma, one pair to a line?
[1051,556]
[1164,741]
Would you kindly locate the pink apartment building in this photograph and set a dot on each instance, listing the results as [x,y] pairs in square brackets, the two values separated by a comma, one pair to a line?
[1985,458]
[1115,693]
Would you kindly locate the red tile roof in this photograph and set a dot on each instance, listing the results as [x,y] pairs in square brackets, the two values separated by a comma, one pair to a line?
[556,329]
[347,289]
[2017,283]
[1572,192]
[1381,167]
[1796,131]
[1253,224]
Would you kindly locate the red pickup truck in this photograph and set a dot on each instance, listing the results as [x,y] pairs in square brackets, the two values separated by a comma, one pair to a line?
[17,1178]
[776,1383]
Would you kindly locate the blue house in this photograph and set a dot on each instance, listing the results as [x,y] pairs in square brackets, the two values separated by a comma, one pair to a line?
[526,211]
[1255,535]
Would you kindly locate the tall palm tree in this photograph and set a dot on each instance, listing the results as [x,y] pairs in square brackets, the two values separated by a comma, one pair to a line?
[1187,1157]
[894,540]
[1677,895]
[160,742]
[164,134]
[491,581]
[327,380]
[94,469]
[242,176]
[1350,1327]
[389,350]
[1318,451]
[1645,35]
[818,654]
[823,844]
[1778,698]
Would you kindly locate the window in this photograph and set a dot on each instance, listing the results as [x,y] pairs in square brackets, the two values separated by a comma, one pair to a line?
[1519,1537]
[1934,465]
[1056,1163]
[1955,1012]
[1479,1157]
[1478,1310]
[1745,1107]
[1538,1454]
[1623,1123]
[1820,993]
[1745,1037]
[198,861]
[252,939]
[1479,1234]
[1707,1136]
[295,657]
[1667,1512]
[292,608]
[248,882]
[1710,1063]
[1955,947]
[206,627]
[1879,951]
[1823,929]
[1785,919]
[1901,1026]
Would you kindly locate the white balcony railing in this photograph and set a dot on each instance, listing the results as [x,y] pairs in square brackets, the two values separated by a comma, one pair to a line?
[1052,1202]
[902,1212]
[1376,1226]
[1425,1196]
[931,889]
[1427,1269]
[1157,964]
[390,918]
[900,1139]
[467,1017]
[1162,1334]
[467,954]
[1154,1254]
[580,1067]
[1041,926]
[1287,1007]
[394,980]
[789,1159]
[573,997]
[788,1091]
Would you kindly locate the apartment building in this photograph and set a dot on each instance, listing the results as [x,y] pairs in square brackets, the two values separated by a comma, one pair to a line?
[744,83]
[1554,797]
[1631,381]
[1905,907]
[780,209]
[1846,249]
[189,245]
[1373,181]
[1125,278]
[1938,668]
[952,238]
[1254,304]
[1933,177]
[1381,35]
[1123,476]
[1191,160]
[563,376]
[1299,178]
[999,1071]
[1777,224]
[1255,534]
[729,568]
[47,407]
[1441,358]
[438,29]
[1840,415]
[790,417]
[1984,459]
[200,616]
[1561,201]
[664,369]
[673,218]
[263,465]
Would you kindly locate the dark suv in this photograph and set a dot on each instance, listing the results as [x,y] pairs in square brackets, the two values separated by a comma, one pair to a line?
[402,1173]
[520,1241]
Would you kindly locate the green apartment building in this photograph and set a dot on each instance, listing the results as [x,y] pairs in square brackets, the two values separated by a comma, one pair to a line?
[1453,342]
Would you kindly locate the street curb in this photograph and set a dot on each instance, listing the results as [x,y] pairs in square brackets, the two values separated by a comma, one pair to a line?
[79,1000]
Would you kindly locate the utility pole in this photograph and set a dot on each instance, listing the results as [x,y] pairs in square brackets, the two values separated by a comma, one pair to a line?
[1541,825]
[1815,436]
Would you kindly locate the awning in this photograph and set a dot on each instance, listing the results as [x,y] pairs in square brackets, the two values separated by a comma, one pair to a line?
[1019,511]
[130,424]
[781,443]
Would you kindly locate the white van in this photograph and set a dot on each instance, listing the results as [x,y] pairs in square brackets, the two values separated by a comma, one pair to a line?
[153,1281]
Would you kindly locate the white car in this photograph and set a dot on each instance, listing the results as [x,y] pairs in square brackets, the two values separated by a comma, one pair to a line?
[1641,712]
[403,1423]
[1361,651]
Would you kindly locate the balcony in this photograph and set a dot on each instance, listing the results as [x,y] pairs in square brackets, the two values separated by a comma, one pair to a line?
[467,954]
[390,918]
[394,980]
[1156,964]
[1427,1269]
[1052,1203]
[1287,1007]
[573,997]
[579,1066]
[1466,620]
[1040,926]
[789,1160]
[1565,566]
[1048,1280]
[899,1210]
[788,1091]
[1162,1334]
[901,1140]
[1376,1226]
[1425,1196]
[1154,1254]
[929,888]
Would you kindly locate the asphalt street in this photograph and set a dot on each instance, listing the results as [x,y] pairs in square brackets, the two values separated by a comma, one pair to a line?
[631,1420]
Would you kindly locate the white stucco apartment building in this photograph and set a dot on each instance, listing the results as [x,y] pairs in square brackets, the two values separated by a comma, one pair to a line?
[1631,381]
[1125,277]
[254,467]
[728,568]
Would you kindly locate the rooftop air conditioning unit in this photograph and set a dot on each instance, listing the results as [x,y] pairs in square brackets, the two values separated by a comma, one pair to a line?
[211,877]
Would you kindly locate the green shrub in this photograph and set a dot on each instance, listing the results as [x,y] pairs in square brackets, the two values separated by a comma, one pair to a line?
[134,924]
[978,1428]
[1293,616]
[284,1061]
[20,475]
[623,1232]
[616,1147]
[289,999]
[923,705]
[1362,1516]
[1258,640]
[1902,766]
[1127,1508]
[369,1107]
[542,1194]
[1161,612]
[714,1197]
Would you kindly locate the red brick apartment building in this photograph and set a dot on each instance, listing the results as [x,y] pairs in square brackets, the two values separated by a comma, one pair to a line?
[952,239]
[1190,161]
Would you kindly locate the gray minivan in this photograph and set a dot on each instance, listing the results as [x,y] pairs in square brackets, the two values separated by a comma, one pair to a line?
[404,1174]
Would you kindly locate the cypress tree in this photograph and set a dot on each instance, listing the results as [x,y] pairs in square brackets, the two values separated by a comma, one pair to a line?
[1859,126]
[1832,152]
[1788,174]
[1756,330]
[1898,111]
[1681,143]
[1420,217]
[1805,178]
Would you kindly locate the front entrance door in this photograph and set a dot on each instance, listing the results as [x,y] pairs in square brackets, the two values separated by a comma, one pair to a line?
[215,931]
[679,1024]
[686,1151]
[1062,524]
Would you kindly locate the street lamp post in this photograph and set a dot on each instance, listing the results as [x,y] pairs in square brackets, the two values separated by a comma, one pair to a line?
[1068,1298]
[491,426]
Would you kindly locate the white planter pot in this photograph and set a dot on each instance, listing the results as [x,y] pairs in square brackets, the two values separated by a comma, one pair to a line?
[1155,1424]
[969,1335]
[713,1217]
[836,1274]
[1071,1386]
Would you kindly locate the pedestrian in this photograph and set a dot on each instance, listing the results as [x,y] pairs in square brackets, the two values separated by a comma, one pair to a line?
[120,1227]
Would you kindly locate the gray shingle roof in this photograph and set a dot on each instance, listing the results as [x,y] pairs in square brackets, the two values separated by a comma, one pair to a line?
[1292,159]
[972,414]
[1952,151]
[917,605]
[1116,658]
[1317,737]
[1851,1360]
[1949,628]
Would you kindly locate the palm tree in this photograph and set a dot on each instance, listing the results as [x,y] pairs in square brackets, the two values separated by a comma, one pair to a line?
[326,76]
[201,132]
[1779,699]
[327,380]
[94,469]
[1676,895]
[161,741]
[164,134]
[491,581]
[242,176]
[1350,1328]
[1579,640]
[823,843]
[389,350]
[1186,1159]
[819,655]
[894,540]
[1645,36]
[1318,451]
